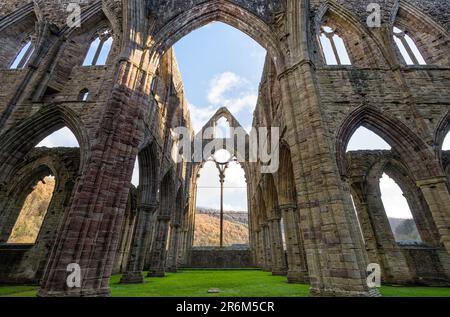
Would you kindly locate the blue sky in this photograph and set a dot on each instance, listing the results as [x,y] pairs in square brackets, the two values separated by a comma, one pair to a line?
[222,66]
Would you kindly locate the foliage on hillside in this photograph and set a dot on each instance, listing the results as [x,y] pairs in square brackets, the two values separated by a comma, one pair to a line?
[404,229]
[33,212]
[207,232]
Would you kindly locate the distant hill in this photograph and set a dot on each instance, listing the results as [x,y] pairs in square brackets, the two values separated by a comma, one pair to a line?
[207,224]
[404,229]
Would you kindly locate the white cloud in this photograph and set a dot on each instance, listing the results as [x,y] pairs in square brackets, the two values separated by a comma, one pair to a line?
[225,90]
[199,116]
[221,84]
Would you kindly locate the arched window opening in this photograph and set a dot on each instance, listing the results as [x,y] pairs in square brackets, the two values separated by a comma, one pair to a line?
[23,56]
[222,128]
[333,47]
[61,138]
[398,212]
[365,139]
[84,95]
[446,144]
[98,52]
[135,179]
[207,218]
[32,214]
[408,48]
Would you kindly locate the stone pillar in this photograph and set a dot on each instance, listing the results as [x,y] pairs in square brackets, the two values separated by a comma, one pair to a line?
[172,259]
[89,234]
[159,248]
[337,261]
[140,245]
[277,249]
[267,250]
[436,194]
[296,257]
[260,251]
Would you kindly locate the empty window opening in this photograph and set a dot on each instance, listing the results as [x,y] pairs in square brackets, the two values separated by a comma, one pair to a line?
[398,212]
[84,95]
[135,177]
[99,50]
[61,138]
[222,129]
[446,145]
[23,56]
[207,217]
[365,139]
[408,48]
[333,48]
[32,214]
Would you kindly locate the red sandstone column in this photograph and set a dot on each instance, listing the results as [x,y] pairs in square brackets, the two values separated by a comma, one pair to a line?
[172,265]
[140,245]
[90,232]
[158,252]
[267,250]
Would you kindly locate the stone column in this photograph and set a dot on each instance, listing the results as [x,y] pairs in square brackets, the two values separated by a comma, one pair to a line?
[159,248]
[267,250]
[296,257]
[259,248]
[140,245]
[277,249]
[89,234]
[172,259]
[436,194]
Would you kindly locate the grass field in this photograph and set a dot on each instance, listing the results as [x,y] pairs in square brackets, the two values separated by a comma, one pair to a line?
[231,283]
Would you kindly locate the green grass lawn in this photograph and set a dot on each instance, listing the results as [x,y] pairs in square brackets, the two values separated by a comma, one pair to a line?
[231,283]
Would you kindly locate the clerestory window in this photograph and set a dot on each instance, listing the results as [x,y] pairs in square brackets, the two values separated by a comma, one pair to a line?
[333,47]
[408,48]
[99,50]
[23,56]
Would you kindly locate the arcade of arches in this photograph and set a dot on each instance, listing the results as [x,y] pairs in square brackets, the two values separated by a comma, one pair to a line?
[124,100]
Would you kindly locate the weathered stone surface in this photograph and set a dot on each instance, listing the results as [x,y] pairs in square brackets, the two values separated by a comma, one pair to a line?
[104,224]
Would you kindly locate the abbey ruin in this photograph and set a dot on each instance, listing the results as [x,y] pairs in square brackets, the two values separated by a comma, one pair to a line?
[128,105]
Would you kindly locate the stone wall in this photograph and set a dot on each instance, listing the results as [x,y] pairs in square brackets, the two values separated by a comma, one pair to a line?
[138,99]
[219,258]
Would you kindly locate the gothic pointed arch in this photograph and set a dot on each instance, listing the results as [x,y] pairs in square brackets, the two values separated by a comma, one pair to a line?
[363,48]
[237,16]
[411,148]
[19,140]
[431,38]
[18,31]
